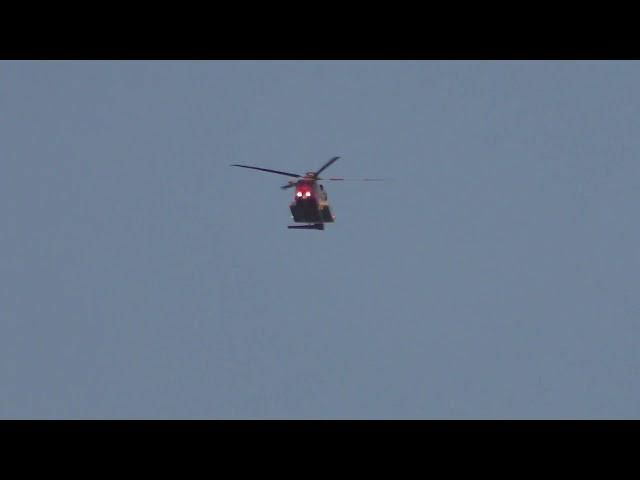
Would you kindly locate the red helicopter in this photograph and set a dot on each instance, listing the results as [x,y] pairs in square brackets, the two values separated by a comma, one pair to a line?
[310,204]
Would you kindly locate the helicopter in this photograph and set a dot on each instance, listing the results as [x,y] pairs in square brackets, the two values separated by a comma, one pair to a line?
[310,203]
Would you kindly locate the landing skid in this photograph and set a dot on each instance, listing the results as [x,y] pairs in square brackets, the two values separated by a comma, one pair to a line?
[315,226]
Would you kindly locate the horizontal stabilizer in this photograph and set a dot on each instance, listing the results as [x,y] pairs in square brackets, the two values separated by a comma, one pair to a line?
[316,226]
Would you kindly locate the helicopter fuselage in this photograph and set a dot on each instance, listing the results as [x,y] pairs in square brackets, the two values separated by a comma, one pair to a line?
[310,204]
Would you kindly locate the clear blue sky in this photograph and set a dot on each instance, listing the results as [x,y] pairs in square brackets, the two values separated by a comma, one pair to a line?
[143,277]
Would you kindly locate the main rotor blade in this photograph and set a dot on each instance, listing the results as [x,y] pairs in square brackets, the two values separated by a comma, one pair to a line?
[288,185]
[326,165]
[268,170]
[355,179]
